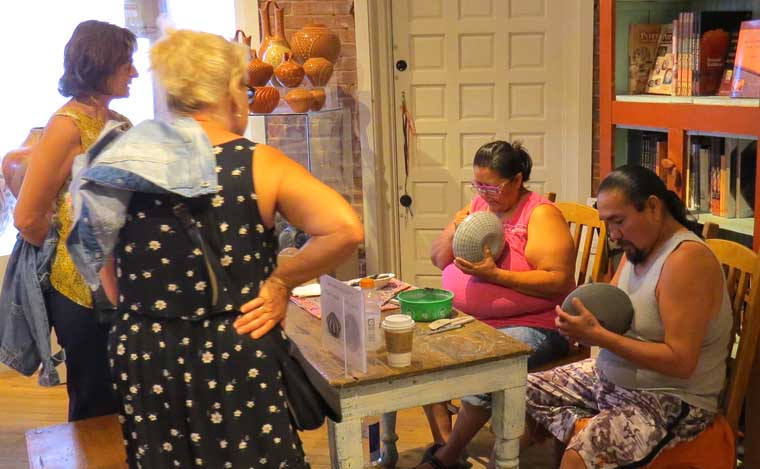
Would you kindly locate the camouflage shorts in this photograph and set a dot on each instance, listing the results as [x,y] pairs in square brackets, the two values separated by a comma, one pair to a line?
[627,425]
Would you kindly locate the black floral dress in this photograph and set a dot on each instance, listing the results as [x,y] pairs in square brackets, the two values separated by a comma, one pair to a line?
[194,392]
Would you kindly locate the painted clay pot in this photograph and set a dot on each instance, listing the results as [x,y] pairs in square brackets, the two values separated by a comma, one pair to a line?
[290,73]
[318,98]
[319,70]
[273,46]
[259,72]
[266,29]
[265,100]
[299,99]
[315,40]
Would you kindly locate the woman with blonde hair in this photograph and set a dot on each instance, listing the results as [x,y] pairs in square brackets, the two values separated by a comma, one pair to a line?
[198,387]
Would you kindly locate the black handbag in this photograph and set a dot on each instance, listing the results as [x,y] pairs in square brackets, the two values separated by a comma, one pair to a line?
[307,407]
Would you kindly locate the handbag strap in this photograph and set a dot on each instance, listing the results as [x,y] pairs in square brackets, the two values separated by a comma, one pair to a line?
[223,288]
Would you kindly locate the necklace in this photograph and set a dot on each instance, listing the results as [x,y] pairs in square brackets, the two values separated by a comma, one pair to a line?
[100,111]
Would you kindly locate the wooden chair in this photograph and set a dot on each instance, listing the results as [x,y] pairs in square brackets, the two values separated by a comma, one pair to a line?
[583,218]
[715,447]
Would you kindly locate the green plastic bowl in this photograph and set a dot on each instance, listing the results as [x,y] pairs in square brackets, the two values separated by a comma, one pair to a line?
[426,304]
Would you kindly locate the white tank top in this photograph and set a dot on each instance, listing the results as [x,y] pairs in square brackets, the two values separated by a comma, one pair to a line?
[703,388]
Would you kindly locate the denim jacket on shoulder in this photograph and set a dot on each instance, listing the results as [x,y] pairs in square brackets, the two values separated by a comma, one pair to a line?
[152,157]
[24,327]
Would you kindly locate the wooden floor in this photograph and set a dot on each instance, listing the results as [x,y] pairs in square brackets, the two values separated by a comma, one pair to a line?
[25,405]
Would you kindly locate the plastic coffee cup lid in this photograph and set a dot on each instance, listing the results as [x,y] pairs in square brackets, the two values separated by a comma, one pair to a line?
[398,322]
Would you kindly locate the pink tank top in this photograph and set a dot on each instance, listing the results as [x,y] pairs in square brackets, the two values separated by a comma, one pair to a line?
[493,304]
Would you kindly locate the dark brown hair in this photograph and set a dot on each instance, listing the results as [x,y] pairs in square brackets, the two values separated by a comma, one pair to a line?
[94,52]
[638,183]
[507,159]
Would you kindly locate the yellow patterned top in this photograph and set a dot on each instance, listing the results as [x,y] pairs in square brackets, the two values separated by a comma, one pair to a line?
[63,274]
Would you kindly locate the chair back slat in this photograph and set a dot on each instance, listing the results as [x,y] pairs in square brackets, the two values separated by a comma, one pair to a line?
[741,266]
[585,223]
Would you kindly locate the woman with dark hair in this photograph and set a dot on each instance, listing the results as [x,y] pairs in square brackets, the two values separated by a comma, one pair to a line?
[97,69]
[516,293]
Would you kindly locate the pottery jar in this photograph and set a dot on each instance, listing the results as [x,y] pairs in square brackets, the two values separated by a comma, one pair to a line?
[319,70]
[299,99]
[289,73]
[318,98]
[259,72]
[265,99]
[273,46]
[315,40]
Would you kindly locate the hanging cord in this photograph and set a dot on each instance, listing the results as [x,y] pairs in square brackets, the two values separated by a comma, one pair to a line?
[407,124]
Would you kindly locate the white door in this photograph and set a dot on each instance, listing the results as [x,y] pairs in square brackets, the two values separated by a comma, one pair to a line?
[477,70]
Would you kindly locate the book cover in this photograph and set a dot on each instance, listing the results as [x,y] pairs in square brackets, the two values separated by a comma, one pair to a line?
[728,67]
[717,30]
[728,160]
[642,52]
[715,154]
[745,178]
[704,178]
[661,78]
[746,80]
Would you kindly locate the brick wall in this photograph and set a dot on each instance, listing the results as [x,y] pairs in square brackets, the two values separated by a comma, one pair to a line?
[595,107]
[343,172]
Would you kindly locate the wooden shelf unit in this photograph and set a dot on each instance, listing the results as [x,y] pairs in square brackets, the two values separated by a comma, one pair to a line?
[678,115]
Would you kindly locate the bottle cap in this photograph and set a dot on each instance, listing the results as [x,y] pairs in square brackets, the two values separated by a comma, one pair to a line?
[367,283]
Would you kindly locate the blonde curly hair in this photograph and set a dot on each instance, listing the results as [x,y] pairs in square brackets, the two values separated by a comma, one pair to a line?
[197,70]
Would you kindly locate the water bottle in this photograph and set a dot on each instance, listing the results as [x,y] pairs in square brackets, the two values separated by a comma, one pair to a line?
[373,336]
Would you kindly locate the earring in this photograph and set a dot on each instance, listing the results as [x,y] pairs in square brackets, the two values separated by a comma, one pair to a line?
[238,115]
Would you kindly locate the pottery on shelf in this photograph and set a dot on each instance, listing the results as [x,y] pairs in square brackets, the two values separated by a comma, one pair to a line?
[315,40]
[290,73]
[478,230]
[259,72]
[273,45]
[318,98]
[265,99]
[299,99]
[319,70]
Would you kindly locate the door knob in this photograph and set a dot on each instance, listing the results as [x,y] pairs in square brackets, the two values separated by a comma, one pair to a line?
[401,65]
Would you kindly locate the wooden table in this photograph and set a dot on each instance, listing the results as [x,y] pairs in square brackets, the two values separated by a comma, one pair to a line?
[474,359]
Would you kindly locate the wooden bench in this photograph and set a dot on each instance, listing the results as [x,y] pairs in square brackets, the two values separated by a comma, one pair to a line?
[94,443]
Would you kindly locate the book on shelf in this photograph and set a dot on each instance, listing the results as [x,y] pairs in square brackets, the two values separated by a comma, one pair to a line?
[661,77]
[642,52]
[720,176]
[746,165]
[745,82]
[718,30]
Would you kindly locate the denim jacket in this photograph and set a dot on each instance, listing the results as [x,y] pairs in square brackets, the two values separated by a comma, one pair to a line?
[24,327]
[153,157]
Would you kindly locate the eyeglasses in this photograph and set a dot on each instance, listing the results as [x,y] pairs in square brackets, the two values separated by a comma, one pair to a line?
[486,189]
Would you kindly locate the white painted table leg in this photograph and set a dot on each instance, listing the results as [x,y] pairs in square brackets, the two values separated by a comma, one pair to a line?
[346,444]
[508,413]
[389,456]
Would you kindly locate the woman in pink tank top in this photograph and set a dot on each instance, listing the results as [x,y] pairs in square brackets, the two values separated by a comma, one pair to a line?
[516,293]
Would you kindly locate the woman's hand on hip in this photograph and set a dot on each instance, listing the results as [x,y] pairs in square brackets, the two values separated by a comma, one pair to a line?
[261,314]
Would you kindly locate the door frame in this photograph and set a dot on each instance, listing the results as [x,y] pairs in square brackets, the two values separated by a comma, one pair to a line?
[378,128]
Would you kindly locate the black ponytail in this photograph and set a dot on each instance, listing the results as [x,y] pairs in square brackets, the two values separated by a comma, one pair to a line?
[637,183]
[507,159]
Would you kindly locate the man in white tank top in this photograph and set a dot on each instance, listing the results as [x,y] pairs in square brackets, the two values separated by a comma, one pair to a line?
[658,383]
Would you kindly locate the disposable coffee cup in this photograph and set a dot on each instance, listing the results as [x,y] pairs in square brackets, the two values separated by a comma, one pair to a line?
[399,335]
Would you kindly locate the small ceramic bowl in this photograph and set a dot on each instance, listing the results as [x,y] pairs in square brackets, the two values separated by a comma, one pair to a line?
[611,305]
[478,230]
[382,280]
